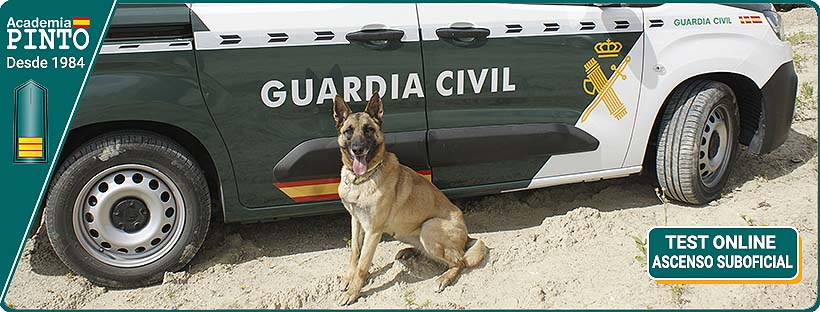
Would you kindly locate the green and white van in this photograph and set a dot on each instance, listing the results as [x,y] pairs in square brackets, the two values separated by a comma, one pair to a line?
[196,111]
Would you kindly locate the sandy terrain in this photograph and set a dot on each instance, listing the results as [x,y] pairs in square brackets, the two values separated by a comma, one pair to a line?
[565,247]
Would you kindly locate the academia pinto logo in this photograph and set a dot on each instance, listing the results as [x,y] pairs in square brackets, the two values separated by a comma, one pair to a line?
[48,34]
[28,38]
[724,255]
[47,46]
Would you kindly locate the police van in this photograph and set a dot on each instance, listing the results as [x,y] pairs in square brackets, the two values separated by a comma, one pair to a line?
[201,110]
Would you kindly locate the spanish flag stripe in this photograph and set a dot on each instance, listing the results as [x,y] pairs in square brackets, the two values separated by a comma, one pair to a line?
[30,140]
[310,190]
[321,189]
[30,154]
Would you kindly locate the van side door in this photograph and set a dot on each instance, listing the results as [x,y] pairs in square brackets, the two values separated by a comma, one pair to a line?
[520,92]
[269,73]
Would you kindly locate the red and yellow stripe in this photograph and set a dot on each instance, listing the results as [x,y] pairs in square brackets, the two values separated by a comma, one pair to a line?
[30,147]
[754,19]
[320,189]
[81,22]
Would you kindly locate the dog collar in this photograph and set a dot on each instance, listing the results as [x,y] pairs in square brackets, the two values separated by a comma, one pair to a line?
[367,175]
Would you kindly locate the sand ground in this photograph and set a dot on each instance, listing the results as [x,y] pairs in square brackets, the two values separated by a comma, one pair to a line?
[565,247]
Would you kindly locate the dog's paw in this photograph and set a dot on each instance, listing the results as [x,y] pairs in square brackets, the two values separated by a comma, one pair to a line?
[406,254]
[344,282]
[441,283]
[348,297]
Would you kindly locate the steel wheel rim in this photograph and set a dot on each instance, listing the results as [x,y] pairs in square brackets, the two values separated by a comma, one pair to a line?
[111,199]
[715,147]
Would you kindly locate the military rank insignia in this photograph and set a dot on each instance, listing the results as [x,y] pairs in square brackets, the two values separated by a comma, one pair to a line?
[30,123]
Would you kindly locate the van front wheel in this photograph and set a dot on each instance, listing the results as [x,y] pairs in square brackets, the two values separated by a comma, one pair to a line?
[697,141]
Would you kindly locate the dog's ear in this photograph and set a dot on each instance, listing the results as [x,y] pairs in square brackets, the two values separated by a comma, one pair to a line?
[340,111]
[375,108]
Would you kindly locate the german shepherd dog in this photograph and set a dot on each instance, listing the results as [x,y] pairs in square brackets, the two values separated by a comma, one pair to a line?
[384,196]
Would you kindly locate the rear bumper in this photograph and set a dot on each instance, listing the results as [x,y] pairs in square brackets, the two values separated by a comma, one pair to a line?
[777,104]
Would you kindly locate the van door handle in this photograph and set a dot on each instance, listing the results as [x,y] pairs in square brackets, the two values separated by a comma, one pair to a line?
[462,33]
[375,35]
[377,39]
[467,37]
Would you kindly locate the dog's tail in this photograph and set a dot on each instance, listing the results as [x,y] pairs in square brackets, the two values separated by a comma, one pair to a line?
[475,252]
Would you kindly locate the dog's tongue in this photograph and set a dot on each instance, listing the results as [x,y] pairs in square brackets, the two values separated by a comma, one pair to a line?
[359,165]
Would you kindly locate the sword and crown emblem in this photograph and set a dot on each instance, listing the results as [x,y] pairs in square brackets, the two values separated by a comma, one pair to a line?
[601,86]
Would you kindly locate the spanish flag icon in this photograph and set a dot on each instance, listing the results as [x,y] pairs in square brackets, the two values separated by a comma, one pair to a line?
[81,22]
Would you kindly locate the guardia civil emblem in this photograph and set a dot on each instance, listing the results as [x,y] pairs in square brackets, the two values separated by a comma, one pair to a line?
[599,85]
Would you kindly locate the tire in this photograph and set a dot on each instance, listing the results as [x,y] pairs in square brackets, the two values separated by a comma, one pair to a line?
[697,141]
[126,207]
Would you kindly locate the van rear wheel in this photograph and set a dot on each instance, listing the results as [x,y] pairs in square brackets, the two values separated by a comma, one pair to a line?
[126,207]
[697,141]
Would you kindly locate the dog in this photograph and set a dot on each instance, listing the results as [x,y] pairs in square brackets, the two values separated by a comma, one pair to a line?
[384,196]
